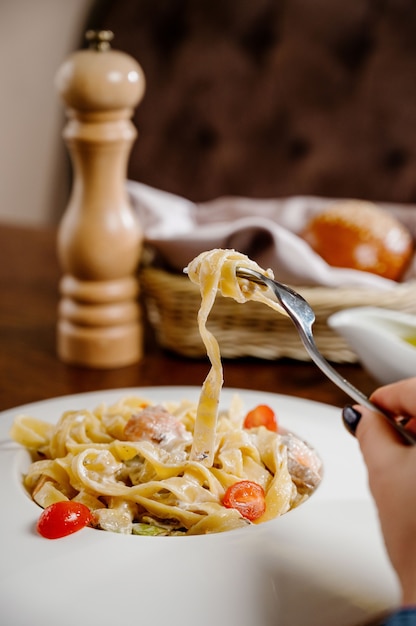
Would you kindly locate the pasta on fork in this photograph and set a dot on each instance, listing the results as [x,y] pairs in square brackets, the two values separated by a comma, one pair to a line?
[215,271]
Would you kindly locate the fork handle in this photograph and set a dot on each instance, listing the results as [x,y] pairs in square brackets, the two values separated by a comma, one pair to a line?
[358,395]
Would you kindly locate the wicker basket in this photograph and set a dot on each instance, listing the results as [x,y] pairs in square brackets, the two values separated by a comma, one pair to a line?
[252,329]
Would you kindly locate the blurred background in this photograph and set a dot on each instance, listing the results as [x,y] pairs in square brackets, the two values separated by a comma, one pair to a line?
[35,37]
[260,98]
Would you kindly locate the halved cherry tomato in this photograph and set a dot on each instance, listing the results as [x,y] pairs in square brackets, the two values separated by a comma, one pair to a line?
[247,497]
[261,415]
[63,518]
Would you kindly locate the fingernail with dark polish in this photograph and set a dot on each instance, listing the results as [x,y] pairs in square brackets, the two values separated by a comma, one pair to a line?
[350,417]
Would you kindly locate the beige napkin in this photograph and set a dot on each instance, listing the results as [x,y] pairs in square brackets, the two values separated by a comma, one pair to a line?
[265,230]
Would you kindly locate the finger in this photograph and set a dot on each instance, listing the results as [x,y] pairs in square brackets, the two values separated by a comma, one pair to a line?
[397,398]
[379,441]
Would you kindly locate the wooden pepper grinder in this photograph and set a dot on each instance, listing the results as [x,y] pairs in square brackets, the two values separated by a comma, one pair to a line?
[99,237]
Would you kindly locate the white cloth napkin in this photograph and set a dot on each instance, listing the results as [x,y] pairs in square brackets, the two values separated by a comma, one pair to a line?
[265,230]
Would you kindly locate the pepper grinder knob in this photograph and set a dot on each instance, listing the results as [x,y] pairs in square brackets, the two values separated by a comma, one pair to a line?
[99,39]
[99,236]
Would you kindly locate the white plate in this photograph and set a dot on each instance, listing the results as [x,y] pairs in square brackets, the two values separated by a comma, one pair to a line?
[321,564]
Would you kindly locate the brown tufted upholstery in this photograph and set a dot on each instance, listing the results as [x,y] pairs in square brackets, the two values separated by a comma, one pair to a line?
[269,98]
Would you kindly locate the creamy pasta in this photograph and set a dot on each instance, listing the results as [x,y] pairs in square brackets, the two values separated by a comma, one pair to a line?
[215,271]
[146,468]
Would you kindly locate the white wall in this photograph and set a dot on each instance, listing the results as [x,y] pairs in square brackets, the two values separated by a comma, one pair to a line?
[35,37]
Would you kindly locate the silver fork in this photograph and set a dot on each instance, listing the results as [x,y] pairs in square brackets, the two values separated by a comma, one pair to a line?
[303,317]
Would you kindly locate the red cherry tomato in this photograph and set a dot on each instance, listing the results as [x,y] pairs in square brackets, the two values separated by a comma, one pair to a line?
[247,497]
[262,415]
[63,518]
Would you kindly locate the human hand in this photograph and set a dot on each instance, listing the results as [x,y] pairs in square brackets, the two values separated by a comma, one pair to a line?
[391,466]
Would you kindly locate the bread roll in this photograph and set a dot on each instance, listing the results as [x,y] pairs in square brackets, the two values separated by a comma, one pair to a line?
[363,236]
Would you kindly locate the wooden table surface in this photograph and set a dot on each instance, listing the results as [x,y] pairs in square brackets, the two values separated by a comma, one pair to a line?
[30,369]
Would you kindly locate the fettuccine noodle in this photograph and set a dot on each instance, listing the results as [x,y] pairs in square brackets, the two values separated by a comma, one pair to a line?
[154,469]
[215,271]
